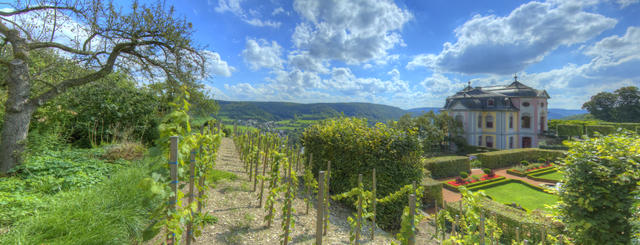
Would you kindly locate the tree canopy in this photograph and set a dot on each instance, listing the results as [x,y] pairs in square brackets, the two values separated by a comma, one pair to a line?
[623,105]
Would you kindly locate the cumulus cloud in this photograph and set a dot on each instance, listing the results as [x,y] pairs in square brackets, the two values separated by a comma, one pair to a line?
[253,18]
[626,3]
[615,50]
[260,54]
[503,45]
[350,31]
[215,65]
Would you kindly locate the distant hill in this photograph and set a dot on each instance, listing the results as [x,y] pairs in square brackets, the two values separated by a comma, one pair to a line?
[276,111]
[419,111]
[585,116]
[555,113]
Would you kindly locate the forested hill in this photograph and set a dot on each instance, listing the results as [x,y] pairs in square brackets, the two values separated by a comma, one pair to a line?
[275,111]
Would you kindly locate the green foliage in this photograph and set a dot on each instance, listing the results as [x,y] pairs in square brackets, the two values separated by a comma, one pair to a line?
[505,158]
[389,209]
[354,148]
[448,166]
[593,130]
[434,131]
[486,171]
[623,105]
[600,188]
[464,175]
[406,230]
[569,130]
[469,221]
[432,192]
[114,212]
[524,162]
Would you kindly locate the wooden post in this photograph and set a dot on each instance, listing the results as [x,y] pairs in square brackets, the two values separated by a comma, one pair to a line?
[455,221]
[201,177]
[517,234]
[287,225]
[173,170]
[444,222]
[412,213]
[373,224]
[435,216]
[326,203]
[481,228]
[192,169]
[359,218]
[255,177]
[306,187]
[320,209]
[264,173]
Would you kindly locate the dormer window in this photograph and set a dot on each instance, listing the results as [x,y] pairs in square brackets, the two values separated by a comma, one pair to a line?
[525,104]
[490,102]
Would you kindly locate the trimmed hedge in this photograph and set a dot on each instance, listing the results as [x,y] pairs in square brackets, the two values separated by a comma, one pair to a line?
[389,209]
[441,167]
[521,174]
[455,188]
[602,129]
[534,176]
[432,192]
[569,130]
[500,159]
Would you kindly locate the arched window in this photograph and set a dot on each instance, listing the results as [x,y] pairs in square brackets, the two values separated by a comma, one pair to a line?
[479,121]
[510,121]
[489,140]
[526,121]
[480,140]
[510,142]
[489,120]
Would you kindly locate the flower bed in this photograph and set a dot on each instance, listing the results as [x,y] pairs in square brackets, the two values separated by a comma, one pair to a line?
[548,175]
[516,172]
[454,184]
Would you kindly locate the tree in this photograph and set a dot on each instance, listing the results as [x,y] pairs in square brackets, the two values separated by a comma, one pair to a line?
[433,130]
[146,41]
[621,106]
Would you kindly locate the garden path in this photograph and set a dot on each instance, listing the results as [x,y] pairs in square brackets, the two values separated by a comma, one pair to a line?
[450,196]
[241,221]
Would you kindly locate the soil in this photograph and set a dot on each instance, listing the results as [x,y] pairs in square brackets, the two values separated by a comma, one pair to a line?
[240,220]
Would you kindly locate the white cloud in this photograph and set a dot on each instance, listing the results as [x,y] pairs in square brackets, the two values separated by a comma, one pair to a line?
[253,18]
[503,45]
[259,54]
[615,50]
[303,61]
[626,3]
[279,10]
[215,65]
[350,31]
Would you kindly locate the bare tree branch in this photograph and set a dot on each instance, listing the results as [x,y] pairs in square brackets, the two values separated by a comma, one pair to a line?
[37,8]
[39,45]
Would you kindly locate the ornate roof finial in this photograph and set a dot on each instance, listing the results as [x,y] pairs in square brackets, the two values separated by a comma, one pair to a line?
[515,77]
[469,83]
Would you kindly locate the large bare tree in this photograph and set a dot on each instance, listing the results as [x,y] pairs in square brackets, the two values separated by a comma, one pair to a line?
[147,41]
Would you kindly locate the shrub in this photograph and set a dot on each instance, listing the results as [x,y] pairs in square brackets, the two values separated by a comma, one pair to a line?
[448,166]
[524,163]
[389,209]
[569,130]
[355,148]
[600,188]
[432,193]
[475,177]
[486,171]
[601,129]
[464,175]
[126,151]
[505,158]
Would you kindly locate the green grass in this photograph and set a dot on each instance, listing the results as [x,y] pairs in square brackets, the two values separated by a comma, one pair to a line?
[526,196]
[218,175]
[553,175]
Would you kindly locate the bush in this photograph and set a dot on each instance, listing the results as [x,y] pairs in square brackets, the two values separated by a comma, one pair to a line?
[126,151]
[448,166]
[355,148]
[524,162]
[432,193]
[389,209]
[506,158]
[600,189]
[570,130]
[601,129]
[486,171]
[464,175]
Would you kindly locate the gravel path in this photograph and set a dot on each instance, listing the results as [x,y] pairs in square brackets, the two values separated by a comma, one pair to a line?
[241,221]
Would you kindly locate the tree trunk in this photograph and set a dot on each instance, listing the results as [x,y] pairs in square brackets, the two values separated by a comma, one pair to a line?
[17,115]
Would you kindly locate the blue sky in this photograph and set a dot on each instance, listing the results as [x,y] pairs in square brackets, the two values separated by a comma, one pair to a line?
[414,53]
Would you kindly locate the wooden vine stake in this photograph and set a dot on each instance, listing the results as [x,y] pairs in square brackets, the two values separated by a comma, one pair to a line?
[373,218]
[192,168]
[326,203]
[481,228]
[289,204]
[173,170]
[444,222]
[359,218]
[306,186]
[264,172]
[517,234]
[412,219]
[257,160]
[320,209]
[453,228]
[200,178]
[435,216]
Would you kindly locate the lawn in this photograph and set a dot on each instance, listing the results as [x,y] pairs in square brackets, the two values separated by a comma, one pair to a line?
[526,196]
[554,175]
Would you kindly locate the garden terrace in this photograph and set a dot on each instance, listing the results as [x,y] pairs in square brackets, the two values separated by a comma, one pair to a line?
[528,196]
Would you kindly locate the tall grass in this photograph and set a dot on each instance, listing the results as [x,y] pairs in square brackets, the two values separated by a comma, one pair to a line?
[116,211]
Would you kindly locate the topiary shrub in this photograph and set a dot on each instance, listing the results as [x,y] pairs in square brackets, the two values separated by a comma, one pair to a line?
[432,193]
[441,167]
[568,130]
[464,175]
[593,130]
[524,163]
[601,178]
[355,148]
[389,209]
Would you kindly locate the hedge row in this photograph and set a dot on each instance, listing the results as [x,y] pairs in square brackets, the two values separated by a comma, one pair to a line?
[389,209]
[569,130]
[601,129]
[500,159]
[534,176]
[441,167]
[432,192]
[521,174]
[455,188]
